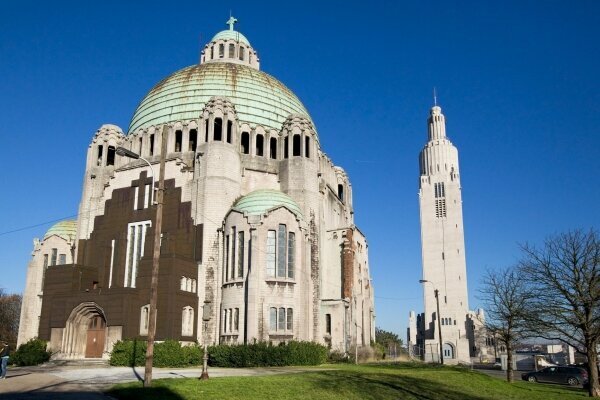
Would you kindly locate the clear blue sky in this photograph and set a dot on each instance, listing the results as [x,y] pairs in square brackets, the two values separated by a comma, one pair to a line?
[517,81]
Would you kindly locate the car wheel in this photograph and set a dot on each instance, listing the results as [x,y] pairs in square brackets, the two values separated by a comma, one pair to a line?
[572,381]
[532,379]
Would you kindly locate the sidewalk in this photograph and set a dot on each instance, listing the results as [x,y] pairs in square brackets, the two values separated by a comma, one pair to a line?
[88,382]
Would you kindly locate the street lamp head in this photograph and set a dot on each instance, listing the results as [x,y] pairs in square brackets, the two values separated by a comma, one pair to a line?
[423,280]
[122,151]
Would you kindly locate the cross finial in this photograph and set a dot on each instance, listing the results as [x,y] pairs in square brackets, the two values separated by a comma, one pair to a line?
[231,21]
[434,97]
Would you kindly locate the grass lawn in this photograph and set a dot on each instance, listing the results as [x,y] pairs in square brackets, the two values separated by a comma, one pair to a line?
[382,381]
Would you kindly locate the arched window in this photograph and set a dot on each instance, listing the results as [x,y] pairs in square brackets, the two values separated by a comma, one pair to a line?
[281,319]
[193,140]
[218,126]
[182,283]
[272,319]
[291,254]
[110,155]
[221,50]
[273,148]
[296,146]
[231,50]
[259,145]
[178,140]
[188,284]
[307,147]
[242,51]
[245,143]
[290,319]
[144,318]
[187,321]
[193,286]
[99,159]
[229,130]
[152,144]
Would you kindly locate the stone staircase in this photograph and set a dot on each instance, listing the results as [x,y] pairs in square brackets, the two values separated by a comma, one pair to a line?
[86,362]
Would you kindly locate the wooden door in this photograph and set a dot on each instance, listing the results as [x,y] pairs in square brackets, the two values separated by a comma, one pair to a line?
[95,337]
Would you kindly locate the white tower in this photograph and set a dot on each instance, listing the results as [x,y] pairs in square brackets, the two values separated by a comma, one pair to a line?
[443,248]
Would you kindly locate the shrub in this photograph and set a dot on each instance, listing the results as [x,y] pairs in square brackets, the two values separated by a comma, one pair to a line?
[169,353]
[128,353]
[31,353]
[263,354]
[336,357]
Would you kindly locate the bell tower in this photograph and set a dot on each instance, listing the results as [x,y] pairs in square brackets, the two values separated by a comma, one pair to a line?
[442,246]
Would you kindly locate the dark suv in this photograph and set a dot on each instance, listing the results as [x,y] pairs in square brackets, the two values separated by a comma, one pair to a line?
[572,376]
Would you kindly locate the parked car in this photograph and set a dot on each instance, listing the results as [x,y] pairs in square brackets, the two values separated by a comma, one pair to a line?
[572,376]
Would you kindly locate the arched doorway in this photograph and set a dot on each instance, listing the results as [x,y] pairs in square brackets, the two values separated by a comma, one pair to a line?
[85,332]
[448,351]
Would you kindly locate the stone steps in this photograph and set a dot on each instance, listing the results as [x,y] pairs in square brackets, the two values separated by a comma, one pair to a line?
[86,362]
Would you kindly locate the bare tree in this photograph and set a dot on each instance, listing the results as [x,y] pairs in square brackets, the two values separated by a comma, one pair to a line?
[10,310]
[565,276]
[505,296]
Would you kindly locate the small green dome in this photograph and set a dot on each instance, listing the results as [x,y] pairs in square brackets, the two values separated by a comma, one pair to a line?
[259,99]
[231,35]
[65,229]
[261,201]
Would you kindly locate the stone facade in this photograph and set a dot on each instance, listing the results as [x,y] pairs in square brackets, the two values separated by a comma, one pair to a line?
[258,227]
[443,253]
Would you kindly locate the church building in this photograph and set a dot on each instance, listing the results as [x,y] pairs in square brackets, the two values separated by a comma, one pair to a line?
[258,232]
[447,315]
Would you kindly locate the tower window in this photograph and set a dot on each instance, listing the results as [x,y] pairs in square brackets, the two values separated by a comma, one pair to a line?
[205,131]
[218,134]
[193,140]
[152,144]
[245,143]
[231,50]
[328,324]
[229,130]
[178,140]
[54,257]
[212,52]
[259,145]
[100,148]
[110,155]
[242,53]
[273,148]
[307,147]
[296,146]
[286,149]
[221,50]
[341,192]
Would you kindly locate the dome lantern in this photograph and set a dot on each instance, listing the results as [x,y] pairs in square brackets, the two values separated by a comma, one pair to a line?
[230,46]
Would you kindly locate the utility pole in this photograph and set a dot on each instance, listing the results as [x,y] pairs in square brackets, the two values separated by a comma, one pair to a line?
[437,300]
[155,260]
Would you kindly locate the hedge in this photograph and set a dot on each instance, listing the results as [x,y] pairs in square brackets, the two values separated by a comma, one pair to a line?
[263,354]
[169,353]
[31,353]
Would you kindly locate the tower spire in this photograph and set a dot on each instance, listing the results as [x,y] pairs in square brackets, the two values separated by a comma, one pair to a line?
[436,122]
[434,97]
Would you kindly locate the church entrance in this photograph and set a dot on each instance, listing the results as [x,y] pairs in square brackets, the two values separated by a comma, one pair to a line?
[85,333]
[96,334]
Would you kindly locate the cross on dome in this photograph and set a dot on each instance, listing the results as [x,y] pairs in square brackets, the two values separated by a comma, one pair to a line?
[231,21]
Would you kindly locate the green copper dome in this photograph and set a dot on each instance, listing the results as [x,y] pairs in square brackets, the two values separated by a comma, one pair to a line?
[231,35]
[261,201]
[65,229]
[259,99]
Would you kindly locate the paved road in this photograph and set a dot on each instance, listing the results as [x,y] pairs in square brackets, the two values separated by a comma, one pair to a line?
[88,382]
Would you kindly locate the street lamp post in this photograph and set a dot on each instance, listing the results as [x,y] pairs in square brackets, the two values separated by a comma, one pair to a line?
[437,300]
[206,310]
